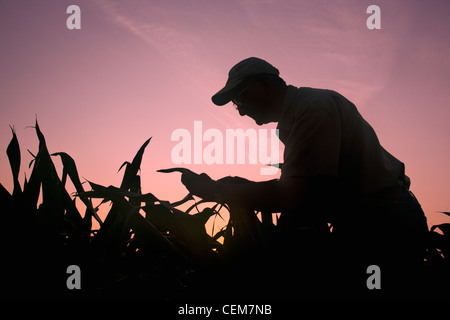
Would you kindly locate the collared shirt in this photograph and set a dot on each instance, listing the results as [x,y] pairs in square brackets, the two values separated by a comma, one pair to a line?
[324,134]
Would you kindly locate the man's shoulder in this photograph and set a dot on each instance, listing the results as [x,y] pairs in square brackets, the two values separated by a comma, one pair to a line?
[307,104]
[315,99]
[317,93]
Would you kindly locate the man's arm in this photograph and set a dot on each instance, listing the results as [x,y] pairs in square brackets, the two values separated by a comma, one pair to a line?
[273,196]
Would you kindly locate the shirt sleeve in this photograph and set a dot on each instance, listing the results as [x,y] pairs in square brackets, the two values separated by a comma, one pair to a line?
[313,145]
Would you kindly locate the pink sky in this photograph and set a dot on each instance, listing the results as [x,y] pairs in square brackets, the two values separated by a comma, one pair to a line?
[139,68]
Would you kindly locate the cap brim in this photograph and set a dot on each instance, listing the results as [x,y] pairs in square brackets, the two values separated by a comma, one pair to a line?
[226,94]
[222,97]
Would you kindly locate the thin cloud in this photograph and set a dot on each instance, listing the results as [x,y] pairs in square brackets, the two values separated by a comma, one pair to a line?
[166,39]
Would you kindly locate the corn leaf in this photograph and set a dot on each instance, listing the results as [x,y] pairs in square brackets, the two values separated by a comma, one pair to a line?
[111,192]
[115,229]
[446,213]
[181,170]
[149,234]
[189,229]
[444,227]
[13,152]
[70,169]
[132,169]
[187,198]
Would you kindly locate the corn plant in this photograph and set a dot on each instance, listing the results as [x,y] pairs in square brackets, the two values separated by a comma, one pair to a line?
[144,247]
[142,241]
[36,237]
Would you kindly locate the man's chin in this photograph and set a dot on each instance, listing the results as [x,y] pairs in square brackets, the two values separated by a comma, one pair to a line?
[260,122]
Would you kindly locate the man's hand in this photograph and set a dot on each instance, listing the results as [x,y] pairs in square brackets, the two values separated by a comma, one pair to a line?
[273,195]
[200,185]
[233,180]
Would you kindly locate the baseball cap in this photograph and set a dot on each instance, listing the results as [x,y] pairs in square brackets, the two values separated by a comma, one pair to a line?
[242,71]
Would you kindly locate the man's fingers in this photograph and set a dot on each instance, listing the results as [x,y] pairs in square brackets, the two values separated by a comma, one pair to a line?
[191,180]
[234,180]
[188,177]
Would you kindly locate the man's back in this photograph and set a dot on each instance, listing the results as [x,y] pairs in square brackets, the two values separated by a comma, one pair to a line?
[324,134]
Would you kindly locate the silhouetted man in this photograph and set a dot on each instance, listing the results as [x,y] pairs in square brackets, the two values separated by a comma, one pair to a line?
[334,171]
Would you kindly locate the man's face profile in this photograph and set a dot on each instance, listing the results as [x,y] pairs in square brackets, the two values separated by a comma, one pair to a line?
[253,100]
